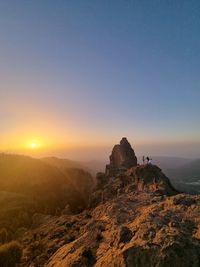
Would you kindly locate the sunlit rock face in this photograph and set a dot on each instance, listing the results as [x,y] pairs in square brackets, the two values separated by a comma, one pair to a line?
[142,178]
[134,229]
[122,158]
[151,178]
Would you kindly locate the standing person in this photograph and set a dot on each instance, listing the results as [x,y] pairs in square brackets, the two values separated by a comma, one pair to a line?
[147,158]
[143,159]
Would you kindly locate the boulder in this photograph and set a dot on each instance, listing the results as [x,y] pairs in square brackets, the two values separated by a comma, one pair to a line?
[121,159]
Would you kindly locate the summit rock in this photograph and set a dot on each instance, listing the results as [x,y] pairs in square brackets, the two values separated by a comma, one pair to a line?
[122,158]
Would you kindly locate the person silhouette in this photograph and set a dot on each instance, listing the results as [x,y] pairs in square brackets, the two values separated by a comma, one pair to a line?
[149,161]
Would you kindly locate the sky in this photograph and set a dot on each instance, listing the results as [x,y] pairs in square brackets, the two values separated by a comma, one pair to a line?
[76,76]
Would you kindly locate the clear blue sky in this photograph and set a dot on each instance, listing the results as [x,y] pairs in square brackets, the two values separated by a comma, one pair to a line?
[94,71]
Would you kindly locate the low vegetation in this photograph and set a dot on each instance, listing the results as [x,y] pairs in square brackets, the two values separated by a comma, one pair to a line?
[10,254]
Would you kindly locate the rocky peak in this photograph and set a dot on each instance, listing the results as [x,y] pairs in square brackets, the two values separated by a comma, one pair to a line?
[124,142]
[121,159]
[124,175]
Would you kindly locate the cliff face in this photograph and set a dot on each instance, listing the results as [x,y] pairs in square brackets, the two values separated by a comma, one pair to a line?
[122,158]
[135,218]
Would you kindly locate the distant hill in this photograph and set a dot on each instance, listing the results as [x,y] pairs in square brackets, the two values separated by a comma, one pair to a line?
[170,162]
[186,177]
[63,164]
[50,187]
[92,166]
[77,173]
[21,173]
[188,173]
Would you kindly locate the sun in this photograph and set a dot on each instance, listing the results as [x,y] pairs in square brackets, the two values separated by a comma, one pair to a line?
[34,144]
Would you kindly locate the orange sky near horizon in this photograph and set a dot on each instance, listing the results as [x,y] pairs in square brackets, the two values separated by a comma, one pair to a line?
[88,147]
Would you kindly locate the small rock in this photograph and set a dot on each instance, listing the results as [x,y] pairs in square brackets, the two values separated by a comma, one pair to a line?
[173,224]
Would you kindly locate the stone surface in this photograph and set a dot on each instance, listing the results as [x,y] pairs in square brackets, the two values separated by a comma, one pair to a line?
[148,178]
[151,177]
[158,234]
[122,158]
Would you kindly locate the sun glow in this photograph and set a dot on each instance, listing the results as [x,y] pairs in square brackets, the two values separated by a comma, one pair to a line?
[34,144]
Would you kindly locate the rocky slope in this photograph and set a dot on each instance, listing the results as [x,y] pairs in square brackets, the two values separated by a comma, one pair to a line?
[137,230]
[134,218]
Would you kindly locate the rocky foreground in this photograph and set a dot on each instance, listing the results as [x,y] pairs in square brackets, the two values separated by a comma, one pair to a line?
[134,218]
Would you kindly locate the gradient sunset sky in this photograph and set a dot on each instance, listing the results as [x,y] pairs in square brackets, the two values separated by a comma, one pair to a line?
[76,76]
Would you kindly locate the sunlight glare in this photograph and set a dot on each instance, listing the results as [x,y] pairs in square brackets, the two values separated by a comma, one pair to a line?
[34,144]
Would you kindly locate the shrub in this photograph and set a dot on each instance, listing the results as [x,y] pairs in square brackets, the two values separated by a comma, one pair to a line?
[10,254]
[3,235]
[99,236]
[87,252]
[36,248]
[88,256]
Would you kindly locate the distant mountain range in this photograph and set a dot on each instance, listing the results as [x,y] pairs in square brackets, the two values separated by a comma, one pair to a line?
[92,166]
[170,162]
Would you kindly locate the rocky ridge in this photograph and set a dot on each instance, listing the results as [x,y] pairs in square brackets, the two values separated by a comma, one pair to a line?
[135,218]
